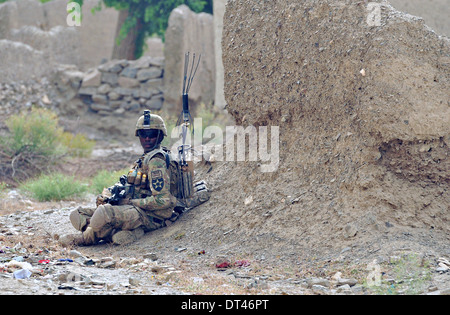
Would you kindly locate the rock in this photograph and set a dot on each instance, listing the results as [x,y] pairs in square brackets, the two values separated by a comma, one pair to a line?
[114,66]
[89,90]
[350,230]
[134,281]
[344,289]
[99,107]
[124,91]
[100,99]
[151,256]
[320,289]
[318,281]
[92,78]
[149,73]
[349,282]
[127,82]
[110,78]
[104,88]
[155,103]
[113,95]
[75,254]
[129,72]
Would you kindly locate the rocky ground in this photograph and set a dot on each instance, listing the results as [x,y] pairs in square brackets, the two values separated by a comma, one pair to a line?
[168,262]
[358,205]
[181,259]
[238,245]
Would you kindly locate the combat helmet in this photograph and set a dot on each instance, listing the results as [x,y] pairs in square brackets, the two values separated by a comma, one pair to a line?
[150,121]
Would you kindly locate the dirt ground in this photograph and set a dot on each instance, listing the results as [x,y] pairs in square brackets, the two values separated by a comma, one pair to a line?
[359,203]
[184,258]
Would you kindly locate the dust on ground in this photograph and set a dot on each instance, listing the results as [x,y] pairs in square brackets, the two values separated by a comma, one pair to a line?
[358,205]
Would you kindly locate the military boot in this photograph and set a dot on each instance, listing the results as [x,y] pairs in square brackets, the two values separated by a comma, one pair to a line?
[127,237]
[71,240]
[78,221]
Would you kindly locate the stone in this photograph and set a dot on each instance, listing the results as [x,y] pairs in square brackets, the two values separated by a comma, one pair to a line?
[152,83]
[74,253]
[146,93]
[99,107]
[90,90]
[100,98]
[349,282]
[129,72]
[104,88]
[115,104]
[318,281]
[344,288]
[134,281]
[124,91]
[149,73]
[110,78]
[113,95]
[350,230]
[155,103]
[127,82]
[151,256]
[113,66]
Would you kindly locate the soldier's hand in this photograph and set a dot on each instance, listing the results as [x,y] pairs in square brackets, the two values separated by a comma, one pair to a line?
[101,200]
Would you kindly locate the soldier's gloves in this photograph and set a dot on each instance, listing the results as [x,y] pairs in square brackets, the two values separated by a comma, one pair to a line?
[101,200]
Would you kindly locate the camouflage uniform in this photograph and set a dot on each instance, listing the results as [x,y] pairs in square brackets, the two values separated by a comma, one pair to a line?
[149,206]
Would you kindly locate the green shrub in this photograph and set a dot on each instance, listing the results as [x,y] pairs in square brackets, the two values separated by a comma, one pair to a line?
[105,179]
[36,143]
[77,145]
[54,187]
[37,132]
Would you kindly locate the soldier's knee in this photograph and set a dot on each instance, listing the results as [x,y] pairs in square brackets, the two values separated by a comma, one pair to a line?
[100,218]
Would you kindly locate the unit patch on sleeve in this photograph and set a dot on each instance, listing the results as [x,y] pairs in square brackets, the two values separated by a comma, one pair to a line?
[157,180]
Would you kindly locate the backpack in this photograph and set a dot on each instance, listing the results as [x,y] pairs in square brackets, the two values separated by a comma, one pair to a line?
[181,178]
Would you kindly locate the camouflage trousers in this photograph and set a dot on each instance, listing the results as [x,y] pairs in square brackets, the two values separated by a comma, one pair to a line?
[106,220]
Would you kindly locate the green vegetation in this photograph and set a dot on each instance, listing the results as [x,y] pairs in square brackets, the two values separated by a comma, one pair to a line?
[105,179]
[37,132]
[54,187]
[150,17]
[77,145]
[35,143]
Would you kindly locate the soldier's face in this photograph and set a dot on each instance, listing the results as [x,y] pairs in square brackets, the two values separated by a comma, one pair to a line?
[148,139]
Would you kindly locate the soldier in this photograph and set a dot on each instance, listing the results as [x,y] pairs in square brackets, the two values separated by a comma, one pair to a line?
[149,202]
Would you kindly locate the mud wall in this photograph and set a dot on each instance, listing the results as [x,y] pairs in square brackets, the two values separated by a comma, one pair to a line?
[363,111]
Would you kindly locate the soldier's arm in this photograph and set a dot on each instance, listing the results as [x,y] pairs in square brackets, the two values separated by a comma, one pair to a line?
[159,184]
